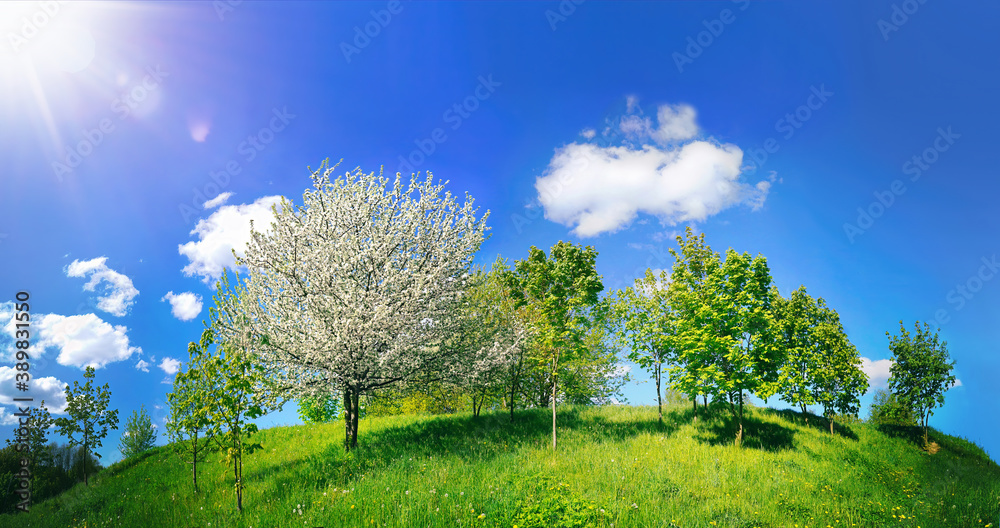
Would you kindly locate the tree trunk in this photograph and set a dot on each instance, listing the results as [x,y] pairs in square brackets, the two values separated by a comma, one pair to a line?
[695,402]
[350,419]
[804,413]
[86,455]
[512,404]
[553,405]
[194,467]
[659,393]
[739,435]
[237,467]
[831,425]
[474,411]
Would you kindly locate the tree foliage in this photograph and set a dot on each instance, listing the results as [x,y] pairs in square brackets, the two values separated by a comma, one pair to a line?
[644,322]
[921,370]
[139,435]
[886,409]
[725,325]
[356,289]
[562,287]
[319,409]
[89,418]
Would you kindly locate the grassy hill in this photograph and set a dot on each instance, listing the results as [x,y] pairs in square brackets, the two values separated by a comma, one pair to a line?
[616,466]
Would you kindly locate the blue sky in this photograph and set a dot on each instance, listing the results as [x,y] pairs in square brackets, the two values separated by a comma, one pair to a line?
[848,142]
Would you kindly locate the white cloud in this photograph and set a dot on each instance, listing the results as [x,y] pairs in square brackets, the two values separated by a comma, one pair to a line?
[185,306]
[83,340]
[118,289]
[7,418]
[676,123]
[659,169]
[588,133]
[226,229]
[48,388]
[877,371]
[170,365]
[142,365]
[958,383]
[217,201]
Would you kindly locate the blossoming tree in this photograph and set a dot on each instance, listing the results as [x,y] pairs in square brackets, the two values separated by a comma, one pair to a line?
[356,289]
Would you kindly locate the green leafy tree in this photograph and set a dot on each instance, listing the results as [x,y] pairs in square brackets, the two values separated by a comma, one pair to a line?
[725,325]
[237,384]
[563,287]
[921,370]
[89,418]
[886,409]
[139,435]
[698,341]
[796,319]
[750,362]
[644,322]
[837,381]
[187,425]
[38,453]
[319,409]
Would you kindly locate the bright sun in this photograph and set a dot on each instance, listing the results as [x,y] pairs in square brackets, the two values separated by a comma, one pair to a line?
[40,37]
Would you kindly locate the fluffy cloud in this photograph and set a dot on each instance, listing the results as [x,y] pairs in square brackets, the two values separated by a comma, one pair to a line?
[640,166]
[228,228]
[217,201]
[117,288]
[170,365]
[185,306]
[83,340]
[48,388]
[142,365]
[877,371]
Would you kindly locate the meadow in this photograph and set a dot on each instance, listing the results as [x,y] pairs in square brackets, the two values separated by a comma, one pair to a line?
[616,466]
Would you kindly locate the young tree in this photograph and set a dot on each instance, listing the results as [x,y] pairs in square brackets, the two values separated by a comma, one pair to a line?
[563,288]
[796,319]
[699,341]
[355,289]
[921,371]
[725,335]
[318,410]
[645,323]
[139,435]
[742,308]
[837,380]
[238,386]
[39,453]
[89,417]
[887,410]
[188,423]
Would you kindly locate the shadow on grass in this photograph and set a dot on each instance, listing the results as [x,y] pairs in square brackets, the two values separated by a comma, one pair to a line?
[473,439]
[812,421]
[721,428]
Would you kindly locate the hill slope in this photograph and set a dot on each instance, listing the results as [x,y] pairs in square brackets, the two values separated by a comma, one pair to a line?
[616,466]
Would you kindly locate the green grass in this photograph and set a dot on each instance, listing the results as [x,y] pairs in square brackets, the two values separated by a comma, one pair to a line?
[448,471]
